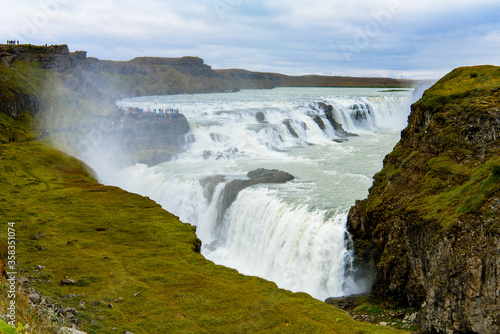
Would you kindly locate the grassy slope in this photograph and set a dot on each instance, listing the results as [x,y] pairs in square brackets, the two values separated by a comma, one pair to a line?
[115,244]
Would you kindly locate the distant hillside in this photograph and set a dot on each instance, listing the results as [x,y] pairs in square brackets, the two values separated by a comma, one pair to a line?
[258,80]
[76,86]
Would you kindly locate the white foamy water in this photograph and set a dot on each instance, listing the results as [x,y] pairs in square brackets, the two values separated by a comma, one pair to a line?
[294,233]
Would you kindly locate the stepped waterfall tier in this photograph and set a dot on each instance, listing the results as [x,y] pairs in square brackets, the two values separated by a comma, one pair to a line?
[267,177]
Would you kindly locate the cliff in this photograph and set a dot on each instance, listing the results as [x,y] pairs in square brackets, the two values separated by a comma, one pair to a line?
[54,57]
[430,225]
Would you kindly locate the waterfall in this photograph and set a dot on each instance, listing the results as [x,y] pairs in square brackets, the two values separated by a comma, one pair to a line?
[293,233]
[294,246]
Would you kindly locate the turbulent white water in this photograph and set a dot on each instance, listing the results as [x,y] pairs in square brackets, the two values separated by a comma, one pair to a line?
[293,233]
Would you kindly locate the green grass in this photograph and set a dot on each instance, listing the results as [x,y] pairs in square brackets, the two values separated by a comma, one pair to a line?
[6,329]
[465,197]
[464,86]
[115,244]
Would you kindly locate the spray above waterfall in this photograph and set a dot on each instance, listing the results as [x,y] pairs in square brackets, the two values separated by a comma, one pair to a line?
[226,180]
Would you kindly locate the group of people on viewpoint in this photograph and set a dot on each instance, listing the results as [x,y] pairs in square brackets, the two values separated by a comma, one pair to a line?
[12,42]
[135,110]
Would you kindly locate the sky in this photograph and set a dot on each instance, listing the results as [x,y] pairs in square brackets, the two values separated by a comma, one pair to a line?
[422,39]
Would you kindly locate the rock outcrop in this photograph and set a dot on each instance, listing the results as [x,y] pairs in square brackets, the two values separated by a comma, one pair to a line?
[291,130]
[430,224]
[19,103]
[339,130]
[54,57]
[257,176]
[233,188]
[209,184]
[151,141]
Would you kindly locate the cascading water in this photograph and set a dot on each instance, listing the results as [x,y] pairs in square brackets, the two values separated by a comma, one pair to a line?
[292,233]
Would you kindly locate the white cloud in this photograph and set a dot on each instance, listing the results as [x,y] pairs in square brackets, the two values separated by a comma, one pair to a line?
[291,36]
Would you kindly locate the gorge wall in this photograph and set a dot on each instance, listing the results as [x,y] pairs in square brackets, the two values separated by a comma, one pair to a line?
[431,225]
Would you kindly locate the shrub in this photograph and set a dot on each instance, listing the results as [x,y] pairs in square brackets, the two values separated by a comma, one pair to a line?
[495,170]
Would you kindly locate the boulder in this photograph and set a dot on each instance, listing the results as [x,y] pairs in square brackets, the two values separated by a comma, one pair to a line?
[23,281]
[35,298]
[38,236]
[260,117]
[67,281]
[263,175]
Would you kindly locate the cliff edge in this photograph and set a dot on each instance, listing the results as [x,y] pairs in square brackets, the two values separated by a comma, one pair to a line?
[430,225]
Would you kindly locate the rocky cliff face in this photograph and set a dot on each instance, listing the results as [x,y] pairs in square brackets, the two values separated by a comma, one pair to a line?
[20,103]
[54,57]
[431,223]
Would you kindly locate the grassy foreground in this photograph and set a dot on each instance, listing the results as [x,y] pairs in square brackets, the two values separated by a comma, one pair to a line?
[123,250]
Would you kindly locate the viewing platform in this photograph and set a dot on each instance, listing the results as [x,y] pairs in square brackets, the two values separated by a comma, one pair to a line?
[151,114]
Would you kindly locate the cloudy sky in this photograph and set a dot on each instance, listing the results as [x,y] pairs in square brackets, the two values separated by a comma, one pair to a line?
[413,39]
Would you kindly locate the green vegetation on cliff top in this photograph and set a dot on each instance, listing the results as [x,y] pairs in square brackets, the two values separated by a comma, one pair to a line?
[134,264]
[449,156]
[464,85]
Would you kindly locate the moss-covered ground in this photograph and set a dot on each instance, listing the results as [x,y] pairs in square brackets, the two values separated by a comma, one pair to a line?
[123,250]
